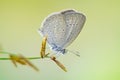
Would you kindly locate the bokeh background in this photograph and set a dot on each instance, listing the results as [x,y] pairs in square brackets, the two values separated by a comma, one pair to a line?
[98,42]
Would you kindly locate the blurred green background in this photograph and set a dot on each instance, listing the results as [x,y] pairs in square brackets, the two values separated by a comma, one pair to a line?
[98,42]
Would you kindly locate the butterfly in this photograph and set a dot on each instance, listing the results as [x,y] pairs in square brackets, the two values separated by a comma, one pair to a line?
[62,28]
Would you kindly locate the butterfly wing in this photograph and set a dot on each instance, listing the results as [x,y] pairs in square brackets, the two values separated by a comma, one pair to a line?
[62,28]
[74,23]
[54,28]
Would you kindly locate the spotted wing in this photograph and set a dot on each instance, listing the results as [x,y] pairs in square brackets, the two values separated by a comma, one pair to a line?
[74,23]
[54,28]
[62,28]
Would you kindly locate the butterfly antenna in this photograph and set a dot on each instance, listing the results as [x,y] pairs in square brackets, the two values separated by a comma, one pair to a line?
[77,53]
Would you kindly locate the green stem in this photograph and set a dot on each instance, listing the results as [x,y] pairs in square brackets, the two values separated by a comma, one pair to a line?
[31,58]
[26,58]
[2,52]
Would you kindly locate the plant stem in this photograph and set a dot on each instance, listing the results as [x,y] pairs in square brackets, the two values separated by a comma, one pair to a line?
[26,58]
[3,52]
[30,58]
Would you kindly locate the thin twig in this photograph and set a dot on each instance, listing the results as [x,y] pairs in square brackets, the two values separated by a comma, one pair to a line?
[31,58]
[22,60]
[26,58]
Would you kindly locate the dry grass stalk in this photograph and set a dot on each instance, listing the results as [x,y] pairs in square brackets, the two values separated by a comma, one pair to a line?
[59,64]
[22,60]
[42,51]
